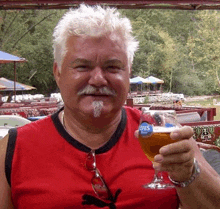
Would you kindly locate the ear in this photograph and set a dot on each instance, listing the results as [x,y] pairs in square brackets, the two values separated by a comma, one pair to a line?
[130,71]
[56,73]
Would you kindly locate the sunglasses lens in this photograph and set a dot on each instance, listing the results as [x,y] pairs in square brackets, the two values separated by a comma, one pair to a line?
[97,181]
[99,187]
[90,161]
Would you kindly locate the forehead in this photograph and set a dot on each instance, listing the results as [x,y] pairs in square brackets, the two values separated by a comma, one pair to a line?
[96,48]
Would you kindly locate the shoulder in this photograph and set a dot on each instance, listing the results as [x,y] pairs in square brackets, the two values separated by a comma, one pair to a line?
[19,141]
[133,117]
[20,136]
[35,126]
[132,113]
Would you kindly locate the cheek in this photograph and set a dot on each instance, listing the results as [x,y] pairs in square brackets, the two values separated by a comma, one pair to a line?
[124,80]
[121,83]
[73,81]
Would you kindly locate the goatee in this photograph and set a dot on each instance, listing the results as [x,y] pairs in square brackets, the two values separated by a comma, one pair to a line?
[97,108]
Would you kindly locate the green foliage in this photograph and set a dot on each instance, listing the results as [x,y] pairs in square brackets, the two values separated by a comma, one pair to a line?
[180,47]
[28,34]
[146,100]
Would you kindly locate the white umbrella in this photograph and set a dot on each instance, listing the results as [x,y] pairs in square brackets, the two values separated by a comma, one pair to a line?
[137,80]
[153,80]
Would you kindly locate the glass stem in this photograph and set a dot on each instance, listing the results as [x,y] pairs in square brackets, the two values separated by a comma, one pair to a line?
[158,177]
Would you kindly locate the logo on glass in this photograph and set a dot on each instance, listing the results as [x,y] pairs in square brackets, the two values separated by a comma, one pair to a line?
[145,129]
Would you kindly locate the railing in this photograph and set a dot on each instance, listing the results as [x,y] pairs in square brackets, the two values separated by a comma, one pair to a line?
[206,129]
[210,112]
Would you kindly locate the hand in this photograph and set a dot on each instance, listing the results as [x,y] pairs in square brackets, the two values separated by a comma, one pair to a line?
[177,158]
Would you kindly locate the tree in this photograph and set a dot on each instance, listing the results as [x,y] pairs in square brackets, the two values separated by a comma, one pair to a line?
[180,47]
[28,34]
[204,49]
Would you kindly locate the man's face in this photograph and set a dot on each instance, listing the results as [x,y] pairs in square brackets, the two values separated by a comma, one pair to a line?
[98,63]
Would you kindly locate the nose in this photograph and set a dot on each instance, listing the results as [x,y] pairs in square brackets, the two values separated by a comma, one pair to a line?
[97,77]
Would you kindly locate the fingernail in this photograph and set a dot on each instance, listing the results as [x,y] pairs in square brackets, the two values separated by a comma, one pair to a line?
[156,166]
[175,135]
[136,134]
[163,150]
[158,158]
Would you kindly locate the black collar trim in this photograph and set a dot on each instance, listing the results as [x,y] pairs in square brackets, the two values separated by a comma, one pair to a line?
[113,140]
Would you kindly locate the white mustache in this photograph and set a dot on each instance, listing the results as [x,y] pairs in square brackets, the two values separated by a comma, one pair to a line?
[98,91]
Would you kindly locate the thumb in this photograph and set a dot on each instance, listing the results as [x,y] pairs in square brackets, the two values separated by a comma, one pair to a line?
[184,132]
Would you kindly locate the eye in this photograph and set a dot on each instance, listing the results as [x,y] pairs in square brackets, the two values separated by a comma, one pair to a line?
[82,68]
[113,68]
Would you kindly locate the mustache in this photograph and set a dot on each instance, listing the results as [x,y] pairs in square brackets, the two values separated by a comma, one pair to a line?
[97,90]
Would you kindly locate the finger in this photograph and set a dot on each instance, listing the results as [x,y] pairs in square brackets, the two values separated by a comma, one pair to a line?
[136,133]
[184,132]
[177,147]
[175,167]
[174,158]
[177,171]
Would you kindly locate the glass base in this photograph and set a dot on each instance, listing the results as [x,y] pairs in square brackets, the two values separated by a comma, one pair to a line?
[158,182]
[158,185]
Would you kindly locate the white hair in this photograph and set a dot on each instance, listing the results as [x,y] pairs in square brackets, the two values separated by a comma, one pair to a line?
[92,21]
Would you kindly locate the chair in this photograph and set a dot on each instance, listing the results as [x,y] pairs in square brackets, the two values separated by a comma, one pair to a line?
[188,117]
[13,120]
[212,154]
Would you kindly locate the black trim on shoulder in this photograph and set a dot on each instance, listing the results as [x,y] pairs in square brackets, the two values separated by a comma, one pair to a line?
[10,153]
[113,140]
[116,136]
[65,135]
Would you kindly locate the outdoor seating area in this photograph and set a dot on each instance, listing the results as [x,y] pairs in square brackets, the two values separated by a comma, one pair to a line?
[31,105]
[145,86]
[29,110]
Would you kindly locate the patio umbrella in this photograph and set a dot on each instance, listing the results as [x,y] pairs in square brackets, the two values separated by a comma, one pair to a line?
[2,87]
[9,58]
[153,80]
[9,85]
[137,80]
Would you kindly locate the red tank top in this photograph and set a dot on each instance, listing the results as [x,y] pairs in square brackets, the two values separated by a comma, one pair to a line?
[45,167]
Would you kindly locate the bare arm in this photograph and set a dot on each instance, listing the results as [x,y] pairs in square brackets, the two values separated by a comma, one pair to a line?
[204,192]
[177,160]
[5,191]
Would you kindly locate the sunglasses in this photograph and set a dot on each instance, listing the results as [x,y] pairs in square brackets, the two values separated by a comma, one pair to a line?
[98,184]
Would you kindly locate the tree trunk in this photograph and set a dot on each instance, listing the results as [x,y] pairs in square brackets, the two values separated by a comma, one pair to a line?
[217,77]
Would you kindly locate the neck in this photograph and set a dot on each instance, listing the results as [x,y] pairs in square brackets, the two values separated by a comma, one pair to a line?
[93,134]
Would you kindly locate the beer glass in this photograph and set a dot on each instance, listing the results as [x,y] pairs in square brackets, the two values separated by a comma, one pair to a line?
[154,132]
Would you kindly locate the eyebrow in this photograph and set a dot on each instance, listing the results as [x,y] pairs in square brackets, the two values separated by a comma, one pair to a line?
[88,62]
[80,60]
[115,62]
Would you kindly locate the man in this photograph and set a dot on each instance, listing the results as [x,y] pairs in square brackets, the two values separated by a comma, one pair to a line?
[86,155]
